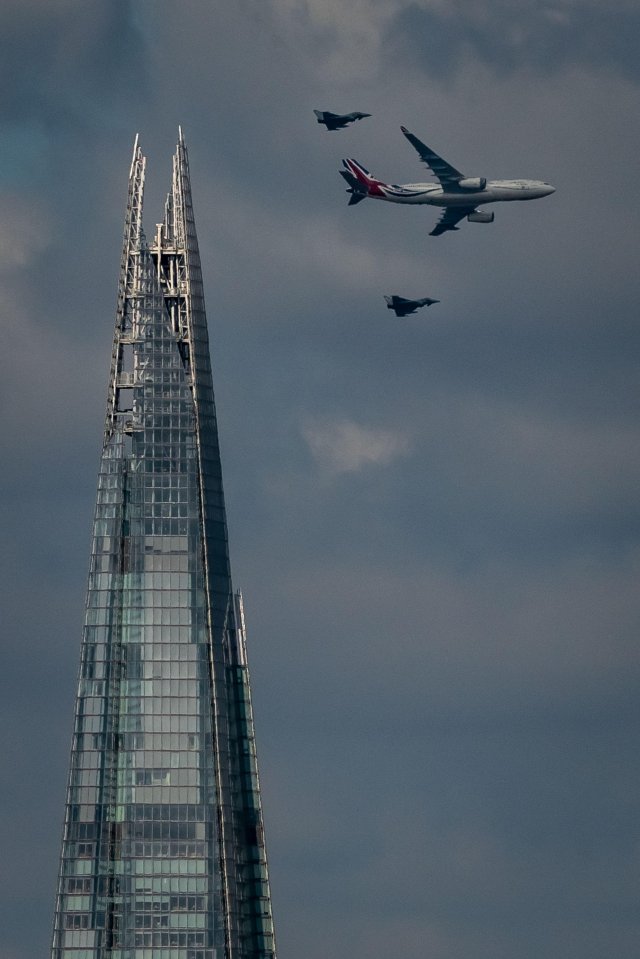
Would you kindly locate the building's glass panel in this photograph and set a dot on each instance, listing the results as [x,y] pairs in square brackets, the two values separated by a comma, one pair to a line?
[163,853]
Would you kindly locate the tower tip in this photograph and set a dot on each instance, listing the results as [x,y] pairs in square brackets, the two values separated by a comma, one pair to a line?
[136,151]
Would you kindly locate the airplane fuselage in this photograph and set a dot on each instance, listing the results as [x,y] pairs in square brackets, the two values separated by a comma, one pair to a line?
[458,195]
[434,195]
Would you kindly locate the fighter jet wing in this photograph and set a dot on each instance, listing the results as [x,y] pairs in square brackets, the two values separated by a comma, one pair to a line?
[447,175]
[450,217]
[396,302]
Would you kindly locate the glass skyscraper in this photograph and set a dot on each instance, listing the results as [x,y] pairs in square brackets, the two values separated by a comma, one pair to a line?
[163,853]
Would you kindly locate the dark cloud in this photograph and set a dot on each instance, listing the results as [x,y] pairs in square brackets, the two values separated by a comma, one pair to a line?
[532,37]
[62,62]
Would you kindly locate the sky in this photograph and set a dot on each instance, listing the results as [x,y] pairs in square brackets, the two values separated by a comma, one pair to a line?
[434,520]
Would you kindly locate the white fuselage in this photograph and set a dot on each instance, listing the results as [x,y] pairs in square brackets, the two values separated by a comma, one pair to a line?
[434,195]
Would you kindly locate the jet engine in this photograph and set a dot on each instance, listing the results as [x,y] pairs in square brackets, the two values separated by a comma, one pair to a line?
[479,216]
[472,183]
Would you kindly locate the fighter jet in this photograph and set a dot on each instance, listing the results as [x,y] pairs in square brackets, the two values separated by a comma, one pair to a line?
[403,307]
[458,194]
[337,121]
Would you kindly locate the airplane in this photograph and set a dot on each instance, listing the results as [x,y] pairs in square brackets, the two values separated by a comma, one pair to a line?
[336,121]
[403,307]
[458,194]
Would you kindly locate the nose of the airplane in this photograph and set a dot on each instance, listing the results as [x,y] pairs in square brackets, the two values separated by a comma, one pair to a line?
[548,189]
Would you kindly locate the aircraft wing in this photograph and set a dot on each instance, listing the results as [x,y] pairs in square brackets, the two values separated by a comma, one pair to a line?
[332,121]
[400,305]
[451,216]
[447,175]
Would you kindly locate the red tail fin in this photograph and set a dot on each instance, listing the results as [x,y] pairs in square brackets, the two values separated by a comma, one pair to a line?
[364,178]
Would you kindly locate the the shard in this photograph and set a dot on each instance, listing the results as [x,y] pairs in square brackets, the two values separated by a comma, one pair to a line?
[163,853]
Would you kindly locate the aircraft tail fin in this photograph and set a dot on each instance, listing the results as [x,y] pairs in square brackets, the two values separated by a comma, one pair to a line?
[360,180]
[356,189]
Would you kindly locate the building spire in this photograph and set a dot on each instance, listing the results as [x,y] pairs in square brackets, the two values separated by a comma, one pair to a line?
[163,848]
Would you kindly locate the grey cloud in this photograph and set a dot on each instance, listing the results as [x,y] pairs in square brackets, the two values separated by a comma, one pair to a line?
[61,60]
[347,447]
[534,37]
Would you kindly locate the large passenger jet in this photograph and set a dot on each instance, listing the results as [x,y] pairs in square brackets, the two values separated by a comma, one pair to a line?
[459,195]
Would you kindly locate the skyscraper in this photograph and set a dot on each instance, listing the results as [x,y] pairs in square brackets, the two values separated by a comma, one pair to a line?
[163,852]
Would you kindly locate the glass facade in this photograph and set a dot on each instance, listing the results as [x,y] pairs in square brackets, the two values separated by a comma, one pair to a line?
[163,852]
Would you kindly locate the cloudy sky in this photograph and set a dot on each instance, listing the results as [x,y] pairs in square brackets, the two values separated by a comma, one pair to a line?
[434,520]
